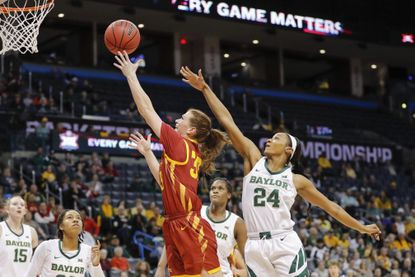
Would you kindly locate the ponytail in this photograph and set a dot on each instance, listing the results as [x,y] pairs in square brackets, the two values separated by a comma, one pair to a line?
[211,141]
[211,148]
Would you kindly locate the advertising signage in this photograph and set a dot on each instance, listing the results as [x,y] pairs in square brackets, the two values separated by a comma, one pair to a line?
[69,141]
[344,152]
[272,17]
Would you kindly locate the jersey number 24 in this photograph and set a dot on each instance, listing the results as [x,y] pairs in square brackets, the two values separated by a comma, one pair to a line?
[261,198]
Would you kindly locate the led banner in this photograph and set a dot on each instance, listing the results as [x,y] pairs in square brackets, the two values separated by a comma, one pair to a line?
[82,126]
[228,10]
[69,141]
[86,136]
[336,151]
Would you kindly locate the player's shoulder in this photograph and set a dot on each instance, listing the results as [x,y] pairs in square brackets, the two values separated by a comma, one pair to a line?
[48,246]
[300,181]
[234,216]
[49,243]
[85,246]
[28,227]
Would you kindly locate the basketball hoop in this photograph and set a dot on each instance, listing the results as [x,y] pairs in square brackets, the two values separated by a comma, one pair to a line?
[20,21]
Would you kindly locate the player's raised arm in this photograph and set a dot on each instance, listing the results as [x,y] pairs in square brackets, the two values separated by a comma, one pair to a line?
[141,99]
[242,144]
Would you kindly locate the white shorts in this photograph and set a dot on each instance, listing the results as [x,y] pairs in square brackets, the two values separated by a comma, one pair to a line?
[271,254]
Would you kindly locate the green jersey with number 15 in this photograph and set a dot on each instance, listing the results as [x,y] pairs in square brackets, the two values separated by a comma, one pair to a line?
[267,198]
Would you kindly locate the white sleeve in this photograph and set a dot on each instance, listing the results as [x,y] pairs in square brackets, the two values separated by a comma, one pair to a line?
[38,259]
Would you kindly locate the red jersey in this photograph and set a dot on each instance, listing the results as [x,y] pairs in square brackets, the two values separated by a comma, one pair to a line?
[179,173]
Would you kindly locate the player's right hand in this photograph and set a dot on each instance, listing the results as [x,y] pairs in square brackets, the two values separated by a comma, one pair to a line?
[196,81]
[141,145]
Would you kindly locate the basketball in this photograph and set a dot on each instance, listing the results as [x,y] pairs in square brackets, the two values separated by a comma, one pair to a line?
[122,35]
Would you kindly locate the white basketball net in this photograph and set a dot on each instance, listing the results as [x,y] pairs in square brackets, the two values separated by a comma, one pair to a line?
[20,22]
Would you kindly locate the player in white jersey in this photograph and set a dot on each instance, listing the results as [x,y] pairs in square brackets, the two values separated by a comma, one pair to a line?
[66,256]
[269,190]
[17,240]
[229,228]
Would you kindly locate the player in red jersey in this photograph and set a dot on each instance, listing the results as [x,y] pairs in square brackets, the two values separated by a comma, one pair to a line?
[190,148]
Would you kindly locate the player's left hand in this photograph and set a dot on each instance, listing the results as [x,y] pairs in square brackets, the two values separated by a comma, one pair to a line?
[125,65]
[196,81]
[95,254]
[141,144]
[372,230]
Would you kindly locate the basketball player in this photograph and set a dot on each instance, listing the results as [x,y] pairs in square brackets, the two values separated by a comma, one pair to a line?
[229,228]
[190,148]
[66,256]
[17,240]
[270,186]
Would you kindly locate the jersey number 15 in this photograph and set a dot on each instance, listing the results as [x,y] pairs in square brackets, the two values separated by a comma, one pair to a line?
[20,255]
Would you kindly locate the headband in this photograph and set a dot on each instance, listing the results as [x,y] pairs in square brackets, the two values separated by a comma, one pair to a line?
[293,145]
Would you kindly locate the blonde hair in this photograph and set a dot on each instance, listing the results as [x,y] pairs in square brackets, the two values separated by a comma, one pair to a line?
[15,196]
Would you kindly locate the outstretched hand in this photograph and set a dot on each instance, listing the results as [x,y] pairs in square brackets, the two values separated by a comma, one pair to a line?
[95,254]
[125,65]
[372,230]
[196,81]
[142,145]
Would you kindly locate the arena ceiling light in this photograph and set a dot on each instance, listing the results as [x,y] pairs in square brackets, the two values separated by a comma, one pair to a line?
[243,64]
[226,55]
[373,66]
[322,51]
[61,15]
[255,41]
[141,25]
[404,105]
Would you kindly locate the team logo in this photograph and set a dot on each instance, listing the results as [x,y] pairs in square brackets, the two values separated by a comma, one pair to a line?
[183,5]
[68,141]
[408,38]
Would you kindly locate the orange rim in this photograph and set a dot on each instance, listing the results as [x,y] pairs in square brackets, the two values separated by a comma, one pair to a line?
[26,9]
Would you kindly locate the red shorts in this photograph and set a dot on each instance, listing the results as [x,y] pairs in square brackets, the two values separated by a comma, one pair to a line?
[190,246]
